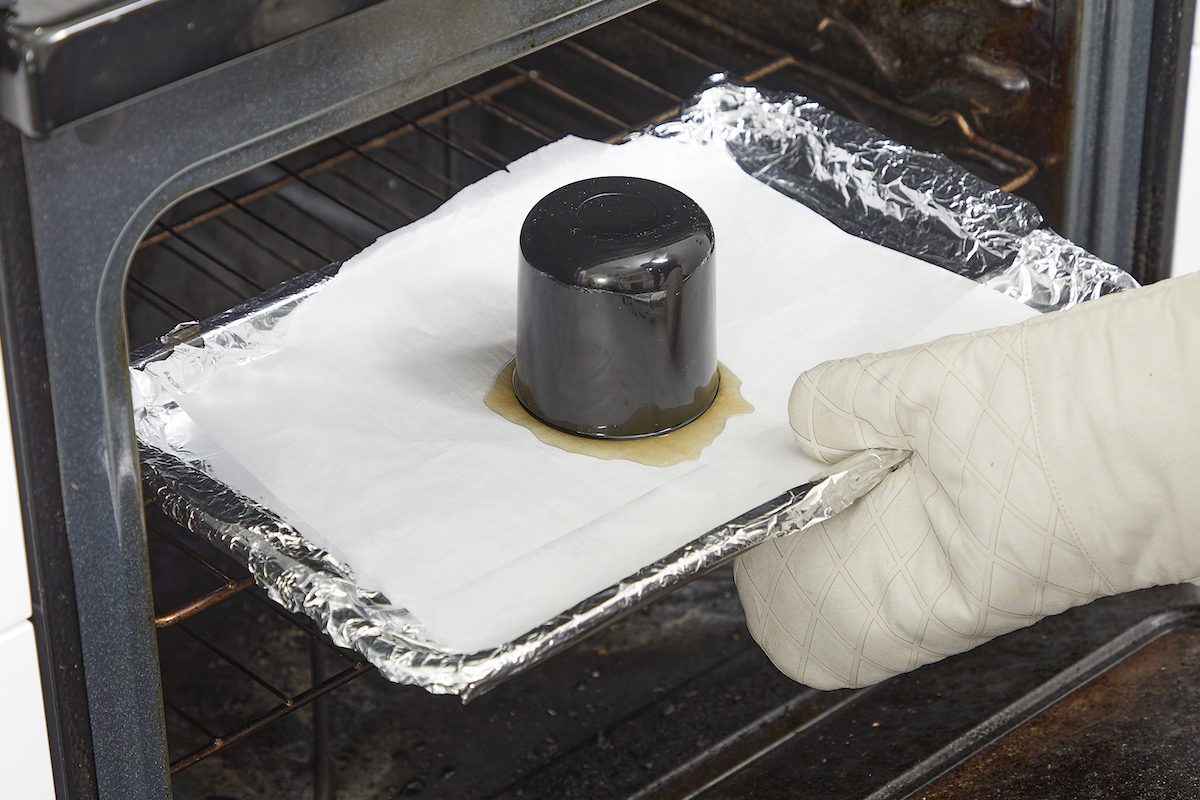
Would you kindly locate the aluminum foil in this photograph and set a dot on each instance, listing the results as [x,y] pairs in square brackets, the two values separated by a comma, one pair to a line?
[910,200]
[307,580]
[919,203]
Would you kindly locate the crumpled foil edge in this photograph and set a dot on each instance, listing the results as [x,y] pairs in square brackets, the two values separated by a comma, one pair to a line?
[910,200]
[919,203]
[307,580]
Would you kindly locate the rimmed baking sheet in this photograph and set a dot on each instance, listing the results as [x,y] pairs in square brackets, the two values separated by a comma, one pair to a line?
[306,569]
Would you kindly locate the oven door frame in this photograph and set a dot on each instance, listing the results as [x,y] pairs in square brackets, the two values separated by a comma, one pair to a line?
[77,203]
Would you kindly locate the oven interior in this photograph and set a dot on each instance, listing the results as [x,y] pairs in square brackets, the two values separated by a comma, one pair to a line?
[675,700]
[330,200]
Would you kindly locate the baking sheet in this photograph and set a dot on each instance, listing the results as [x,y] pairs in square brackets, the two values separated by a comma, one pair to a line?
[786,142]
[368,423]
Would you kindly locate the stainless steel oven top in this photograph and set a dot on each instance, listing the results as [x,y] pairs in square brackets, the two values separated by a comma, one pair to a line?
[63,60]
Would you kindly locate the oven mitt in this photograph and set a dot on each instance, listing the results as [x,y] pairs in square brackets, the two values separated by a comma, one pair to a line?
[1053,462]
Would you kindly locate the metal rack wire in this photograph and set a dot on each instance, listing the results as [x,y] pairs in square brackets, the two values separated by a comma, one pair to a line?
[327,202]
[232,583]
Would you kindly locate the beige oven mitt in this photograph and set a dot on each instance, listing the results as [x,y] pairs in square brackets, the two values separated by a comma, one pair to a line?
[1053,462]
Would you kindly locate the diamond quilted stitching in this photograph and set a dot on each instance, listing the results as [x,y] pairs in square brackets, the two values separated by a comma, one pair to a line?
[785,651]
[870,564]
[753,600]
[960,545]
[1011,592]
[1009,396]
[1025,548]
[834,425]
[835,655]
[979,507]
[901,505]
[1029,493]
[757,568]
[1030,439]
[868,673]
[991,451]
[974,363]
[921,375]
[997,623]
[902,610]
[1056,600]
[788,604]
[815,674]
[880,647]
[872,386]
[780,546]
[945,461]
[1071,570]
[930,566]
[958,611]
[969,560]
[949,418]
[840,539]
[834,386]
[842,606]
[812,564]
[938,638]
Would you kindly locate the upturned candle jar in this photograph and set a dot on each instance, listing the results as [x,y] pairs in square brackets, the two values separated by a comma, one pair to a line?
[616,319]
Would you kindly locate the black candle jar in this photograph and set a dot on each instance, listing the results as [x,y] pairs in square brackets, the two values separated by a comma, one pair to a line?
[616,332]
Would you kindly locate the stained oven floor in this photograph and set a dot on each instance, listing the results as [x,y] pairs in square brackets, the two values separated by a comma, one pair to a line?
[1130,732]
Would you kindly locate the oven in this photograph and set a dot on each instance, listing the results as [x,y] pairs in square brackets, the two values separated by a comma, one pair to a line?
[163,161]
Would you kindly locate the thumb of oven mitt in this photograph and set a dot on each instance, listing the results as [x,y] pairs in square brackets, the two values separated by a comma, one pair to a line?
[1054,462]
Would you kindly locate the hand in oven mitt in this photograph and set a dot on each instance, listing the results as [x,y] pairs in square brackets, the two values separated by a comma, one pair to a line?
[1053,462]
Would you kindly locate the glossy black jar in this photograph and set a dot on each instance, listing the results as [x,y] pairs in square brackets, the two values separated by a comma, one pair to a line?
[616,331]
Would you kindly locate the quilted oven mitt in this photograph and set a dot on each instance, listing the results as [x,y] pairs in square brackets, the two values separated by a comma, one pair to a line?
[1054,462]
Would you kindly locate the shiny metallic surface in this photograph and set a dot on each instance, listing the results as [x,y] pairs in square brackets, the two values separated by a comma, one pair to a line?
[71,58]
[616,309]
[1074,104]
[307,580]
[987,82]
[64,60]
[1050,273]
[906,199]
[1104,154]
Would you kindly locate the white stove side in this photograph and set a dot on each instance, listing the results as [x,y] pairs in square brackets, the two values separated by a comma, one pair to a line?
[25,769]
[1187,232]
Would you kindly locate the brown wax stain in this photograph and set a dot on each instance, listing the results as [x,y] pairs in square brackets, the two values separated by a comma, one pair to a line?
[664,450]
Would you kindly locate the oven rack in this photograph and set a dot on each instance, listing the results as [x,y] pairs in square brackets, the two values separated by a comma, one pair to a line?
[233,580]
[326,202]
[329,201]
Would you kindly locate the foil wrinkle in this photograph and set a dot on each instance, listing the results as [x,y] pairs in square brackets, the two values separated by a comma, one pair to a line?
[910,200]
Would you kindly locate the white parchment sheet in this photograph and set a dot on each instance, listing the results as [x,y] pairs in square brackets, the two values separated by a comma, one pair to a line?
[369,424]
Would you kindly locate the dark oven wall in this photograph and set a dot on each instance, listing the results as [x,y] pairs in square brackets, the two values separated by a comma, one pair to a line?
[984,81]
[993,84]
[987,83]
[1075,105]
